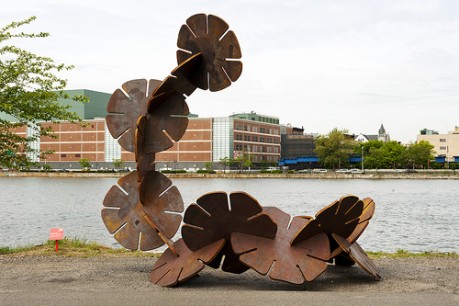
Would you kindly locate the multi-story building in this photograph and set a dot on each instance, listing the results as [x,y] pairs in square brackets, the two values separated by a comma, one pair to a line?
[446,146]
[205,140]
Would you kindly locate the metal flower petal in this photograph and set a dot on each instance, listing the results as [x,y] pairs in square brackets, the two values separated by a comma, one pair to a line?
[209,35]
[125,107]
[213,218]
[294,264]
[126,217]
[358,255]
[177,264]
[341,217]
[364,219]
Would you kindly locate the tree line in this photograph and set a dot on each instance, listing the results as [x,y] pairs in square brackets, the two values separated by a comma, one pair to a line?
[336,148]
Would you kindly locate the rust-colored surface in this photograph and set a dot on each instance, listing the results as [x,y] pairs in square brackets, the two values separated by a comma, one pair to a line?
[166,124]
[143,210]
[162,202]
[214,217]
[304,261]
[209,35]
[177,266]
[145,161]
[364,219]
[341,217]
[358,255]
[177,84]
[124,108]
[123,214]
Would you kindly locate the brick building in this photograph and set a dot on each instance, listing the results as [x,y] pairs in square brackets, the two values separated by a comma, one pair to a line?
[205,140]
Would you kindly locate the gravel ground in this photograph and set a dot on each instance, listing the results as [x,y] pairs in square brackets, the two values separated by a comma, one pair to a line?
[59,280]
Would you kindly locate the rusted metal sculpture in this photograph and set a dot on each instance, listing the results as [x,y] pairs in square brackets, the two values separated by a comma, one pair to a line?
[232,231]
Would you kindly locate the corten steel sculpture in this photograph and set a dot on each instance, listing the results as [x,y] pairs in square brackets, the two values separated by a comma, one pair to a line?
[232,231]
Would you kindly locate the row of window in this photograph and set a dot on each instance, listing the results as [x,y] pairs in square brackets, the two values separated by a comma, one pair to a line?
[256,138]
[255,149]
[255,129]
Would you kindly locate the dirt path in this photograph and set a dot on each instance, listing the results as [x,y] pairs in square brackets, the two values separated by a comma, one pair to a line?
[58,280]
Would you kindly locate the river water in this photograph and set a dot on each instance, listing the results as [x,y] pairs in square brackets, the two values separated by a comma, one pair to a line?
[415,215]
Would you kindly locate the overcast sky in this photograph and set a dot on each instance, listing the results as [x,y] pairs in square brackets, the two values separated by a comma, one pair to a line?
[317,64]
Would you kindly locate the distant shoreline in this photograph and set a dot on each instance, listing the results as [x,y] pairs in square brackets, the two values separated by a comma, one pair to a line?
[453,175]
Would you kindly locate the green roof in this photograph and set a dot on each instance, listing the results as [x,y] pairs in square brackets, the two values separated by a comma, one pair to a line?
[96,107]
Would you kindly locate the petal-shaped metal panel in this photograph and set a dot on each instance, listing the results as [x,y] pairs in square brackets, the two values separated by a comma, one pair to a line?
[166,123]
[294,264]
[162,202]
[177,83]
[124,216]
[214,218]
[341,217]
[124,108]
[219,47]
[177,266]
[358,255]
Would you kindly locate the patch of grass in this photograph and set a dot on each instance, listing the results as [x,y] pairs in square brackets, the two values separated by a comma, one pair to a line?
[73,247]
[400,253]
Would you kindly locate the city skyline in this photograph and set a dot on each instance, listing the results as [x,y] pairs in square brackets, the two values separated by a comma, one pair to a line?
[320,65]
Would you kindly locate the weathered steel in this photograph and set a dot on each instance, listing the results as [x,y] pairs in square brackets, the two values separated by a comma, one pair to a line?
[341,217]
[177,84]
[177,266]
[364,220]
[213,218]
[209,35]
[124,213]
[145,161]
[162,202]
[143,210]
[124,108]
[358,255]
[304,261]
[166,124]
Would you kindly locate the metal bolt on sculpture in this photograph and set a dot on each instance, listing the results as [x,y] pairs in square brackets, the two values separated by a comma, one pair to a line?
[232,231]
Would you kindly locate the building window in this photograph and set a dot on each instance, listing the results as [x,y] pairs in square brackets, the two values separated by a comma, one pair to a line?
[77,155]
[442,148]
[442,139]
[63,155]
[238,147]
[246,138]
[238,137]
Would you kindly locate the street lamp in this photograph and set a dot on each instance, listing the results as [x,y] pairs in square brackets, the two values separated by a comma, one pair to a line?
[363,167]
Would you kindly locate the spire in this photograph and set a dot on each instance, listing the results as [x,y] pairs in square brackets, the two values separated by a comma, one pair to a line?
[382,130]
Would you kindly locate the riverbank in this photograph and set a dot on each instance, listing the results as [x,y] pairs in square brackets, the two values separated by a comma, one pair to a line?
[103,280]
[421,175]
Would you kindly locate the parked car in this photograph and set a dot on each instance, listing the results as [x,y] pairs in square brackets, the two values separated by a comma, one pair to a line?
[319,170]
[344,170]
[355,171]
[305,171]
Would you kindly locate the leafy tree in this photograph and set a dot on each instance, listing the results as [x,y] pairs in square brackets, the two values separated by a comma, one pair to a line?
[372,154]
[29,92]
[118,163]
[335,148]
[244,160]
[225,162]
[85,164]
[391,154]
[418,155]
[208,165]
